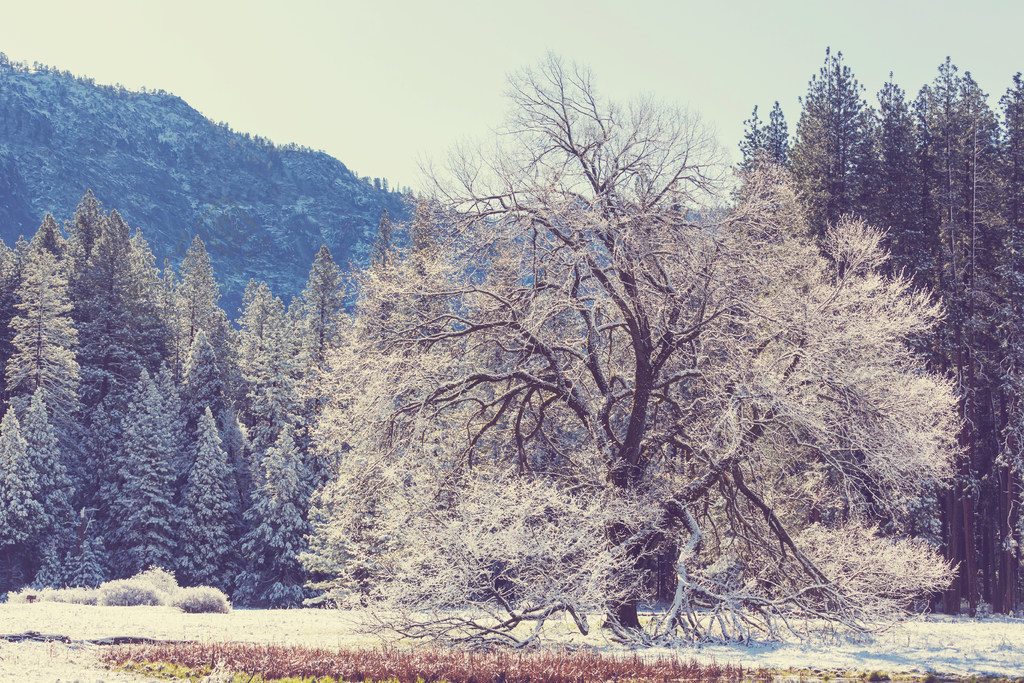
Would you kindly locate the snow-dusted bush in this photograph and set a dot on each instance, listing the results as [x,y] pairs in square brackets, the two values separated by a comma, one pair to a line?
[130,593]
[201,599]
[74,596]
[159,578]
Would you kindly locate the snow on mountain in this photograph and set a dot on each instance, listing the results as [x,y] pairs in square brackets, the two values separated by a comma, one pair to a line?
[263,210]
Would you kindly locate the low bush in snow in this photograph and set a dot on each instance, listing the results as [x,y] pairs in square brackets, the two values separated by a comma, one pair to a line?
[201,599]
[74,596]
[160,579]
[130,593]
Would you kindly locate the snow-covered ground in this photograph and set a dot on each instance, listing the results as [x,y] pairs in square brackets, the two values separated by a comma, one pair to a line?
[943,645]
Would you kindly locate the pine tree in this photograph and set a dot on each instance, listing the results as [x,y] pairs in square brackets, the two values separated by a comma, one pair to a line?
[323,302]
[1010,470]
[177,423]
[9,282]
[51,566]
[144,504]
[118,312]
[278,528]
[900,188]
[202,382]
[86,229]
[776,139]
[752,146]
[831,157]
[383,243]
[45,455]
[48,237]
[208,512]
[267,358]
[959,137]
[22,516]
[44,337]
[84,565]
[198,294]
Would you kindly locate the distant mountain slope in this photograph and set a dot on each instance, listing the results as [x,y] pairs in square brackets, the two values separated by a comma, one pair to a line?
[262,210]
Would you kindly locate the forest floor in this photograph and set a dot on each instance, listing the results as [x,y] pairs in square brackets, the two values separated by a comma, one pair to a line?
[943,645]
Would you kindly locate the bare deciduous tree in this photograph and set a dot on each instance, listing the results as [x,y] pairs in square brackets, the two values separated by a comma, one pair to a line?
[591,365]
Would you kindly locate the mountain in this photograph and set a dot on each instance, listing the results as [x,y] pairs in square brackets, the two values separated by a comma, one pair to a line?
[263,210]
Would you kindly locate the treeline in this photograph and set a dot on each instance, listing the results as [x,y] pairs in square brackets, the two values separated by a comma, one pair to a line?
[141,428]
[943,172]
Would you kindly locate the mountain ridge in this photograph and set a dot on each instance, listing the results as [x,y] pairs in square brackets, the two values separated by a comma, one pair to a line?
[263,210]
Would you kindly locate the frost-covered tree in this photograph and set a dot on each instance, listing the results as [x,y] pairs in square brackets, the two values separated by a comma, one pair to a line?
[322,313]
[43,360]
[22,516]
[117,313]
[49,238]
[267,357]
[144,506]
[84,565]
[177,422]
[660,382]
[203,386]
[197,296]
[9,280]
[208,512]
[47,459]
[277,521]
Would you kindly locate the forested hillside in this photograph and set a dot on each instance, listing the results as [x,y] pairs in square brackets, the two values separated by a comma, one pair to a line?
[263,210]
[942,171]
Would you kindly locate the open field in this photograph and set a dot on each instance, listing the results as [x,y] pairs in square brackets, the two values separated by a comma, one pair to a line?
[939,644]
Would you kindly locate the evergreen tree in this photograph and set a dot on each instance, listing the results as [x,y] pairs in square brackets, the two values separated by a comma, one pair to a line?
[22,516]
[177,423]
[198,294]
[900,189]
[84,565]
[85,230]
[752,146]
[1010,463]
[46,458]
[9,282]
[51,566]
[145,506]
[208,512]
[48,237]
[323,302]
[832,155]
[383,243]
[203,386]
[765,144]
[120,329]
[44,336]
[959,137]
[278,528]
[267,358]
[776,139]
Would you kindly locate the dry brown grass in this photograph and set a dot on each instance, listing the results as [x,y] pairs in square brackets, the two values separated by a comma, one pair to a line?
[428,664]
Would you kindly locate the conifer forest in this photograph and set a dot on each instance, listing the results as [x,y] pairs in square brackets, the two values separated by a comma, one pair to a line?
[596,374]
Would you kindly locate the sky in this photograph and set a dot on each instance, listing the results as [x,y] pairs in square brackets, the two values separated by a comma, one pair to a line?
[387,86]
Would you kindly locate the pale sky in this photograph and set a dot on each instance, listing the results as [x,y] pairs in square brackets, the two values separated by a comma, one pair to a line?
[383,84]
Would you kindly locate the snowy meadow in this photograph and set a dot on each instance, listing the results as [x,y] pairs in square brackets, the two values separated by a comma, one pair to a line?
[946,646]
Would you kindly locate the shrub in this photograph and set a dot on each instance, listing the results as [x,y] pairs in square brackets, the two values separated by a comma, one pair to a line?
[158,577]
[201,599]
[130,593]
[74,596]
